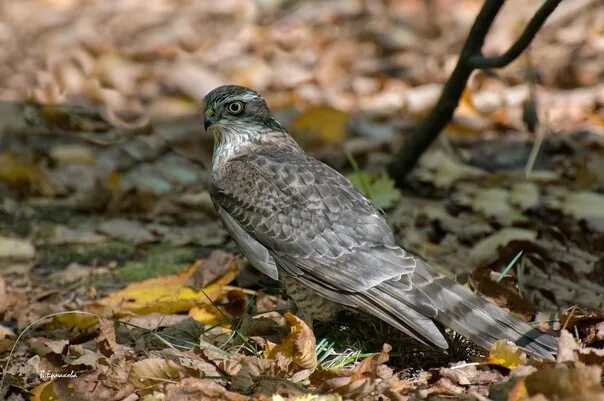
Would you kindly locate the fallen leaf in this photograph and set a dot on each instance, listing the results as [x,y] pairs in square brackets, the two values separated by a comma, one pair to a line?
[23,176]
[518,392]
[505,353]
[320,126]
[357,381]
[299,346]
[440,169]
[165,294]
[92,386]
[586,206]
[524,195]
[215,266]
[486,250]
[559,383]
[16,249]
[44,392]
[493,203]
[106,341]
[149,372]
[210,315]
[567,347]
[127,230]
[73,154]
[191,389]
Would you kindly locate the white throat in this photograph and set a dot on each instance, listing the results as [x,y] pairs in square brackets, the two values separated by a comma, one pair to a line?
[229,143]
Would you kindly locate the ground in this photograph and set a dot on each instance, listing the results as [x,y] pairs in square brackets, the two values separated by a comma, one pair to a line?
[118,281]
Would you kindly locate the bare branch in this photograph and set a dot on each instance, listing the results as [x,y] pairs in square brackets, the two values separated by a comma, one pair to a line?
[480,61]
[470,58]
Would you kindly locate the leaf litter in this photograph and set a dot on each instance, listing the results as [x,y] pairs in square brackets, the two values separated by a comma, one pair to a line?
[106,224]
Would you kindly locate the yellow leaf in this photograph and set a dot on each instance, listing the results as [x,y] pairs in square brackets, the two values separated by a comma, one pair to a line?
[299,345]
[518,392]
[43,392]
[505,353]
[24,176]
[74,320]
[322,124]
[210,315]
[165,294]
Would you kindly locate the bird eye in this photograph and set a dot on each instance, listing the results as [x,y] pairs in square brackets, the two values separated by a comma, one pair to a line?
[235,107]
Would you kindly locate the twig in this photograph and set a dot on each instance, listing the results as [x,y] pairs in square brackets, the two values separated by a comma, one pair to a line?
[525,38]
[470,58]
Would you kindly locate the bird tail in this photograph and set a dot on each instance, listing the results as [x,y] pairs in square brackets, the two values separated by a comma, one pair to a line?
[477,319]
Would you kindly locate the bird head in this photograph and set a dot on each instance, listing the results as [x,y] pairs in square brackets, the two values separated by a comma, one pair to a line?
[236,109]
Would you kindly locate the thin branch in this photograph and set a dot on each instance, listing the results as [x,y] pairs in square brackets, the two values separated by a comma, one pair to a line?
[471,55]
[525,39]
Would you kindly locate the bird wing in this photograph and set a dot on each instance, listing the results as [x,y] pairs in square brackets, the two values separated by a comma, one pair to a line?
[310,219]
[256,253]
[322,231]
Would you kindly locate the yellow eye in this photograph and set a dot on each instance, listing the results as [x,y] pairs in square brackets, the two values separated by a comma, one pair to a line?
[235,107]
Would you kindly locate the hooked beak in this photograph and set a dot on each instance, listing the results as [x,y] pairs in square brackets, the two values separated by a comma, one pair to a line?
[209,117]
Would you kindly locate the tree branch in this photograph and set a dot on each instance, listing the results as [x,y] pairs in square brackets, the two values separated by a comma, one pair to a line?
[525,39]
[469,59]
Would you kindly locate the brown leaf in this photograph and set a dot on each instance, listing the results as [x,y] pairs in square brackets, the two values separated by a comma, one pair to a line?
[152,371]
[106,340]
[191,389]
[24,176]
[561,382]
[89,387]
[197,365]
[299,346]
[215,266]
[360,380]
[569,351]
[500,293]
[567,347]
[44,346]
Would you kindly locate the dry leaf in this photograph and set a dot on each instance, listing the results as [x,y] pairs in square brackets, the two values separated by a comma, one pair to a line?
[504,353]
[44,392]
[16,249]
[487,249]
[319,126]
[23,176]
[299,346]
[442,170]
[215,266]
[165,294]
[191,389]
[152,371]
[558,383]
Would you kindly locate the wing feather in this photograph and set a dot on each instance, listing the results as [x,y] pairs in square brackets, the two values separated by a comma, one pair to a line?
[310,218]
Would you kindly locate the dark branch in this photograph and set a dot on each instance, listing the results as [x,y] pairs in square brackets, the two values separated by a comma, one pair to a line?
[525,39]
[471,55]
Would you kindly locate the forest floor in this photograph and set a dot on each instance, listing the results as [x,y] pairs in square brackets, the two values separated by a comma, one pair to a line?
[118,281]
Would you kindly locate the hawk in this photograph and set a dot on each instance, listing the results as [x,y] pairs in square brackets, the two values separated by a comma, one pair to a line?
[301,222]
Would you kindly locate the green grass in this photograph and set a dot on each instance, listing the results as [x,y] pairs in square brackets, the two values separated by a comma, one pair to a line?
[329,358]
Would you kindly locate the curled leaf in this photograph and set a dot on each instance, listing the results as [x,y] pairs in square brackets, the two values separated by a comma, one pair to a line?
[505,353]
[299,346]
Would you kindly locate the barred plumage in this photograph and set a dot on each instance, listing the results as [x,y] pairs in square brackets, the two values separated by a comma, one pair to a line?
[299,220]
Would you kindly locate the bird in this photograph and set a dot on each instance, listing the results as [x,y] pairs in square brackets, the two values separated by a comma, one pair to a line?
[302,223]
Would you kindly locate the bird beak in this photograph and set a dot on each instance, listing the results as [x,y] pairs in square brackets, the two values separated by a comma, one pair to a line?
[208,117]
